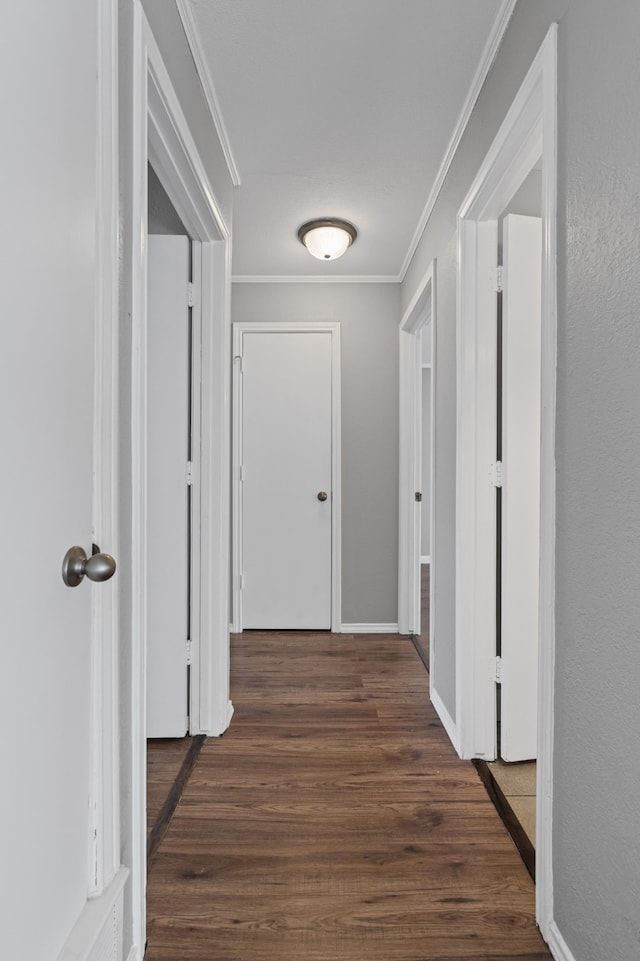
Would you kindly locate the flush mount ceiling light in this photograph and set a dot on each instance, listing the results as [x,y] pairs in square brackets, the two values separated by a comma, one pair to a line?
[328,238]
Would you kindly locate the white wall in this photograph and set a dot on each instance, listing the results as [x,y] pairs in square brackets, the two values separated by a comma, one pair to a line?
[369,315]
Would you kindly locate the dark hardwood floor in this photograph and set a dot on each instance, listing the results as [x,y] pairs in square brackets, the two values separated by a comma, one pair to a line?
[334,822]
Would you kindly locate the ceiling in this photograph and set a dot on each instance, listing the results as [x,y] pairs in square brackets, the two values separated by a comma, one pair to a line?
[343,108]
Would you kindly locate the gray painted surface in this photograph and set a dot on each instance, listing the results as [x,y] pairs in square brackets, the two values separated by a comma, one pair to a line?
[173,46]
[162,215]
[597,709]
[369,315]
[168,31]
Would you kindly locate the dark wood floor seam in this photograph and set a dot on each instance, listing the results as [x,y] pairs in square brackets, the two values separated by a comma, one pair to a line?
[173,798]
[420,652]
[510,820]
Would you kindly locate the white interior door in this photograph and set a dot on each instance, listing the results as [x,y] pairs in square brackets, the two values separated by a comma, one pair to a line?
[286,479]
[521,313]
[48,297]
[168,381]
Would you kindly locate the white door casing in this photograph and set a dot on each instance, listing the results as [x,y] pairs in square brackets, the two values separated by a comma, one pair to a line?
[168,360]
[286,452]
[527,134]
[162,137]
[520,580]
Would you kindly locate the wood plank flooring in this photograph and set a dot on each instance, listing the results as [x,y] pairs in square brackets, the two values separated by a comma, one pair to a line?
[334,822]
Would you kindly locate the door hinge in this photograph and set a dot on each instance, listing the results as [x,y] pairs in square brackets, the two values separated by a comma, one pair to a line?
[189,652]
[496,670]
[189,473]
[499,279]
[238,357]
[496,474]
[242,475]
[190,295]
[418,496]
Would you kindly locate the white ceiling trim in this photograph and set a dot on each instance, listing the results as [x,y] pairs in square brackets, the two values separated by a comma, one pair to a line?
[315,279]
[209,90]
[488,56]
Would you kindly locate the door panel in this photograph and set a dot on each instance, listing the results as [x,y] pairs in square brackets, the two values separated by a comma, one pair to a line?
[521,490]
[286,458]
[48,296]
[167,508]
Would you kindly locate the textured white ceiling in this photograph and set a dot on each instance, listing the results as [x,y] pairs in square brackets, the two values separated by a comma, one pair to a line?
[337,108]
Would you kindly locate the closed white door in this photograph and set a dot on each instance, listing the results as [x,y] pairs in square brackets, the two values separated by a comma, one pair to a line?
[521,313]
[286,479]
[168,380]
[48,309]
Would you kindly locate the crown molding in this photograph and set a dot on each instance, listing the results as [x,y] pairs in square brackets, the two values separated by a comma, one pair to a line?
[488,56]
[314,279]
[209,90]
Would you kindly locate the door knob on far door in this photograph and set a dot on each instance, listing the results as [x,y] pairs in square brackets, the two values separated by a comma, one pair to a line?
[322,495]
[98,567]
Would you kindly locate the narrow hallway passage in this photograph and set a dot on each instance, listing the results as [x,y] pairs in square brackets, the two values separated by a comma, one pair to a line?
[334,822]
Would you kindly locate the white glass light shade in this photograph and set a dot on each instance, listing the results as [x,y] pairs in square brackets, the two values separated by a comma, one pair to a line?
[327,239]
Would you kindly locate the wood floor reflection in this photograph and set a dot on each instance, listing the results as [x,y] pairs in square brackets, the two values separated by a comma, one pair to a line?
[334,822]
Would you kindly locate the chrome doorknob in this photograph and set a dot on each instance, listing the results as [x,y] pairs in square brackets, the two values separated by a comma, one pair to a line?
[322,496]
[98,567]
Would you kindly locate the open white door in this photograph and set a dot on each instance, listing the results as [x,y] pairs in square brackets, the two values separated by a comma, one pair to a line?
[521,314]
[51,289]
[286,476]
[168,357]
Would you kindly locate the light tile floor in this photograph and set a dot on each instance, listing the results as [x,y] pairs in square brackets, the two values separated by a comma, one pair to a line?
[518,784]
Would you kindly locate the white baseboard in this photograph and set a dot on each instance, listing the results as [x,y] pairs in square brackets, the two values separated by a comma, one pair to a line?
[97,934]
[425,559]
[447,721]
[557,944]
[368,628]
[133,954]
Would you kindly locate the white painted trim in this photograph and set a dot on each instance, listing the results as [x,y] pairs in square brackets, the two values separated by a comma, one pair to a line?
[557,944]
[104,802]
[239,330]
[420,311]
[368,629]
[488,56]
[315,279]
[97,914]
[161,135]
[208,88]
[425,558]
[447,721]
[527,132]
[133,954]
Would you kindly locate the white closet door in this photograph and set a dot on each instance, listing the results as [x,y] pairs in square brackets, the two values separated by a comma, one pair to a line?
[167,507]
[286,473]
[521,491]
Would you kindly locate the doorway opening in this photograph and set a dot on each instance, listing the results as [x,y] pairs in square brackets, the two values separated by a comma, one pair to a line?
[488,540]
[162,138]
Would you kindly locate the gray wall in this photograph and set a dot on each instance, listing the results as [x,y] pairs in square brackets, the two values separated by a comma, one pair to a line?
[369,315]
[596,814]
[167,28]
[162,216]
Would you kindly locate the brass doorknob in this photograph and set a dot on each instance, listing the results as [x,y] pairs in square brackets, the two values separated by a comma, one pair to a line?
[98,567]
[322,496]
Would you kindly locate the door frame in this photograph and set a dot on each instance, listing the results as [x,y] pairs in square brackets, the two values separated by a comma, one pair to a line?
[239,330]
[420,311]
[527,133]
[162,137]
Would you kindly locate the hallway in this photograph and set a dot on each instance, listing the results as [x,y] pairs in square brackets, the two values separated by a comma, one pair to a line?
[334,821]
